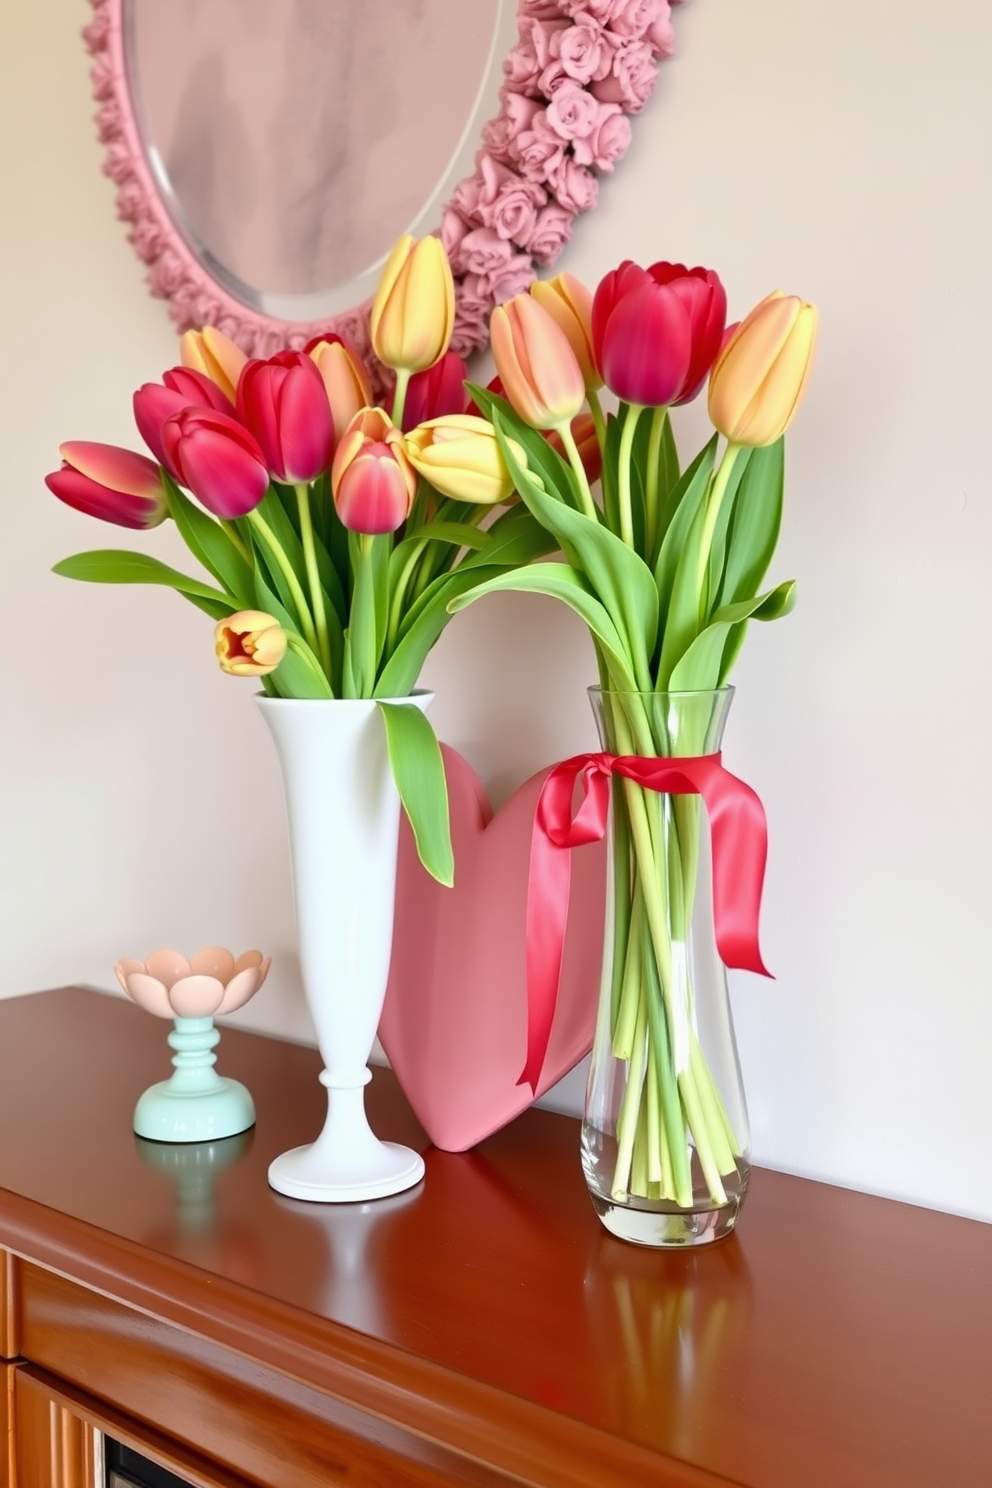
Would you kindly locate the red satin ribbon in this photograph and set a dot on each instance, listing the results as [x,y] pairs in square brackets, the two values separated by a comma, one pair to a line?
[739,848]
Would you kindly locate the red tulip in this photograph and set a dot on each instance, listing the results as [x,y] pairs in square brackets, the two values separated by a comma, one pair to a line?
[113,484]
[705,299]
[217,459]
[656,332]
[436,392]
[283,403]
[372,480]
[181,387]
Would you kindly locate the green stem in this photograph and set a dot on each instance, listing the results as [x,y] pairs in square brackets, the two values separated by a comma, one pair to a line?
[289,574]
[399,396]
[564,432]
[629,1112]
[623,472]
[313,577]
[714,500]
[598,420]
[658,417]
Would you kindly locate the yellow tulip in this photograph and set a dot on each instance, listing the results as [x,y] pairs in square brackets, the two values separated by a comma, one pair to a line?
[249,643]
[413,312]
[540,372]
[459,456]
[759,377]
[569,302]
[215,354]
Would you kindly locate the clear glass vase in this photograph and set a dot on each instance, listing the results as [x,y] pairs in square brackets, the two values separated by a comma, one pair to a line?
[665,1140]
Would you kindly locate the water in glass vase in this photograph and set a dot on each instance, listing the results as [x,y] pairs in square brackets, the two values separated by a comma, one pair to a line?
[665,1139]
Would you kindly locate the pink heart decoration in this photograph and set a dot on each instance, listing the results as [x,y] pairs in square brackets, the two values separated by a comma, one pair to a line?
[454,1021]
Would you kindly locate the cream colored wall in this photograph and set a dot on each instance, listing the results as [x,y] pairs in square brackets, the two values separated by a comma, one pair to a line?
[841,155]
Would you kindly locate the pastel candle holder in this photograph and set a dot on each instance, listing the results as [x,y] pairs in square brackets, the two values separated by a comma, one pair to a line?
[195,1104]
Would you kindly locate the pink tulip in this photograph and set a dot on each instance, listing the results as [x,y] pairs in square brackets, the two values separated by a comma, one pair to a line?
[372,480]
[217,459]
[656,332]
[283,403]
[346,381]
[436,392]
[113,484]
[181,387]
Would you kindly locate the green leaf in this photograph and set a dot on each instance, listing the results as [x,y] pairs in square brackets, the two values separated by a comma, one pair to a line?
[754,523]
[554,473]
[558,581]
[704,665]
[619,578]
[458,534]
[686,500]
[418,769]
[120,566]
[208,541]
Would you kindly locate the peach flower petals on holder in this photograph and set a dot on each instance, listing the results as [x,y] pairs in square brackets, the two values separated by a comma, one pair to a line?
[211,982]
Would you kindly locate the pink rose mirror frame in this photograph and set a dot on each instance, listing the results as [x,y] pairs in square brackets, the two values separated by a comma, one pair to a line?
[576,71]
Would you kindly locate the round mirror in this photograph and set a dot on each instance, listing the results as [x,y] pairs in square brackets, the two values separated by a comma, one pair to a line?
[267,156]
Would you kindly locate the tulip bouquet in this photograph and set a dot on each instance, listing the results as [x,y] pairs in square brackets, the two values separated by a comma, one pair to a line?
[665,567]
[334,533]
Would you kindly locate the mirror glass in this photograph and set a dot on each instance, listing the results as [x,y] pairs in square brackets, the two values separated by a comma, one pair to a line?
[295,141]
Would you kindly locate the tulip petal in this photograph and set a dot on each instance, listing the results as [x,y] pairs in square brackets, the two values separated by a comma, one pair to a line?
[118,469]
[149,993]
[196,996]
[646,346]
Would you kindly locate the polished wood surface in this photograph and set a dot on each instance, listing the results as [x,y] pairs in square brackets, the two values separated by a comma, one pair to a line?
[8,1332]
[7,1372]
[484,1325]
[55,1447]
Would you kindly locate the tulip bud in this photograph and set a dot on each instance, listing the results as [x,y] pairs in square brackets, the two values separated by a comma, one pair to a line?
[569,302]
[217,459]
[460,456]
[181,387]
[249,643]
[113,484]
[346,382]
[705,302]
[282,402]
[215,354]
[372,480]
[413,312]
[586,442]
[536,365]
[760,376]
[436,392]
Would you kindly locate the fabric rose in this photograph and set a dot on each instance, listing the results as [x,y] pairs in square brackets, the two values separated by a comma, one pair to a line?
[572,112]
[609,140]
[540,150]
[574,186]
[632,78]
[552,230]
[634,18]
[483,250]
[585,51]
[514,213]
[510,279]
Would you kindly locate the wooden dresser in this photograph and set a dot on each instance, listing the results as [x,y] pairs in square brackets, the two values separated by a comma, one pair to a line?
[481,1330]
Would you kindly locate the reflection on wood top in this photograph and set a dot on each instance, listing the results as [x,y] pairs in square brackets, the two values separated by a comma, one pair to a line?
[836,1339]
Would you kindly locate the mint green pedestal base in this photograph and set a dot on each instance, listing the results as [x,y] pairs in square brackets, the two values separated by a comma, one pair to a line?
[196,1104]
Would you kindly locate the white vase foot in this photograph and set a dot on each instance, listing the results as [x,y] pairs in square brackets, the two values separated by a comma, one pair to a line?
[310,1173]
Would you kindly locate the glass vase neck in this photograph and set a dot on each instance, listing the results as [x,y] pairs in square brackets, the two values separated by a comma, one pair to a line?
[661,724]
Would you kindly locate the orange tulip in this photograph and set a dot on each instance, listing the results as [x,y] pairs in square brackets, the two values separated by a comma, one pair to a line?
[539,370]
[345,378]
[759,377]
[210,351]
[568,301]
[413,311]
[249,643]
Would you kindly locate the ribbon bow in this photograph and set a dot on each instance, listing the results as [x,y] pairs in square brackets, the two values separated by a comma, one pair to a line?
[739,842]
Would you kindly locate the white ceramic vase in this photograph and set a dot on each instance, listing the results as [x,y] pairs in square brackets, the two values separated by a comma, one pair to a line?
[343,809]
